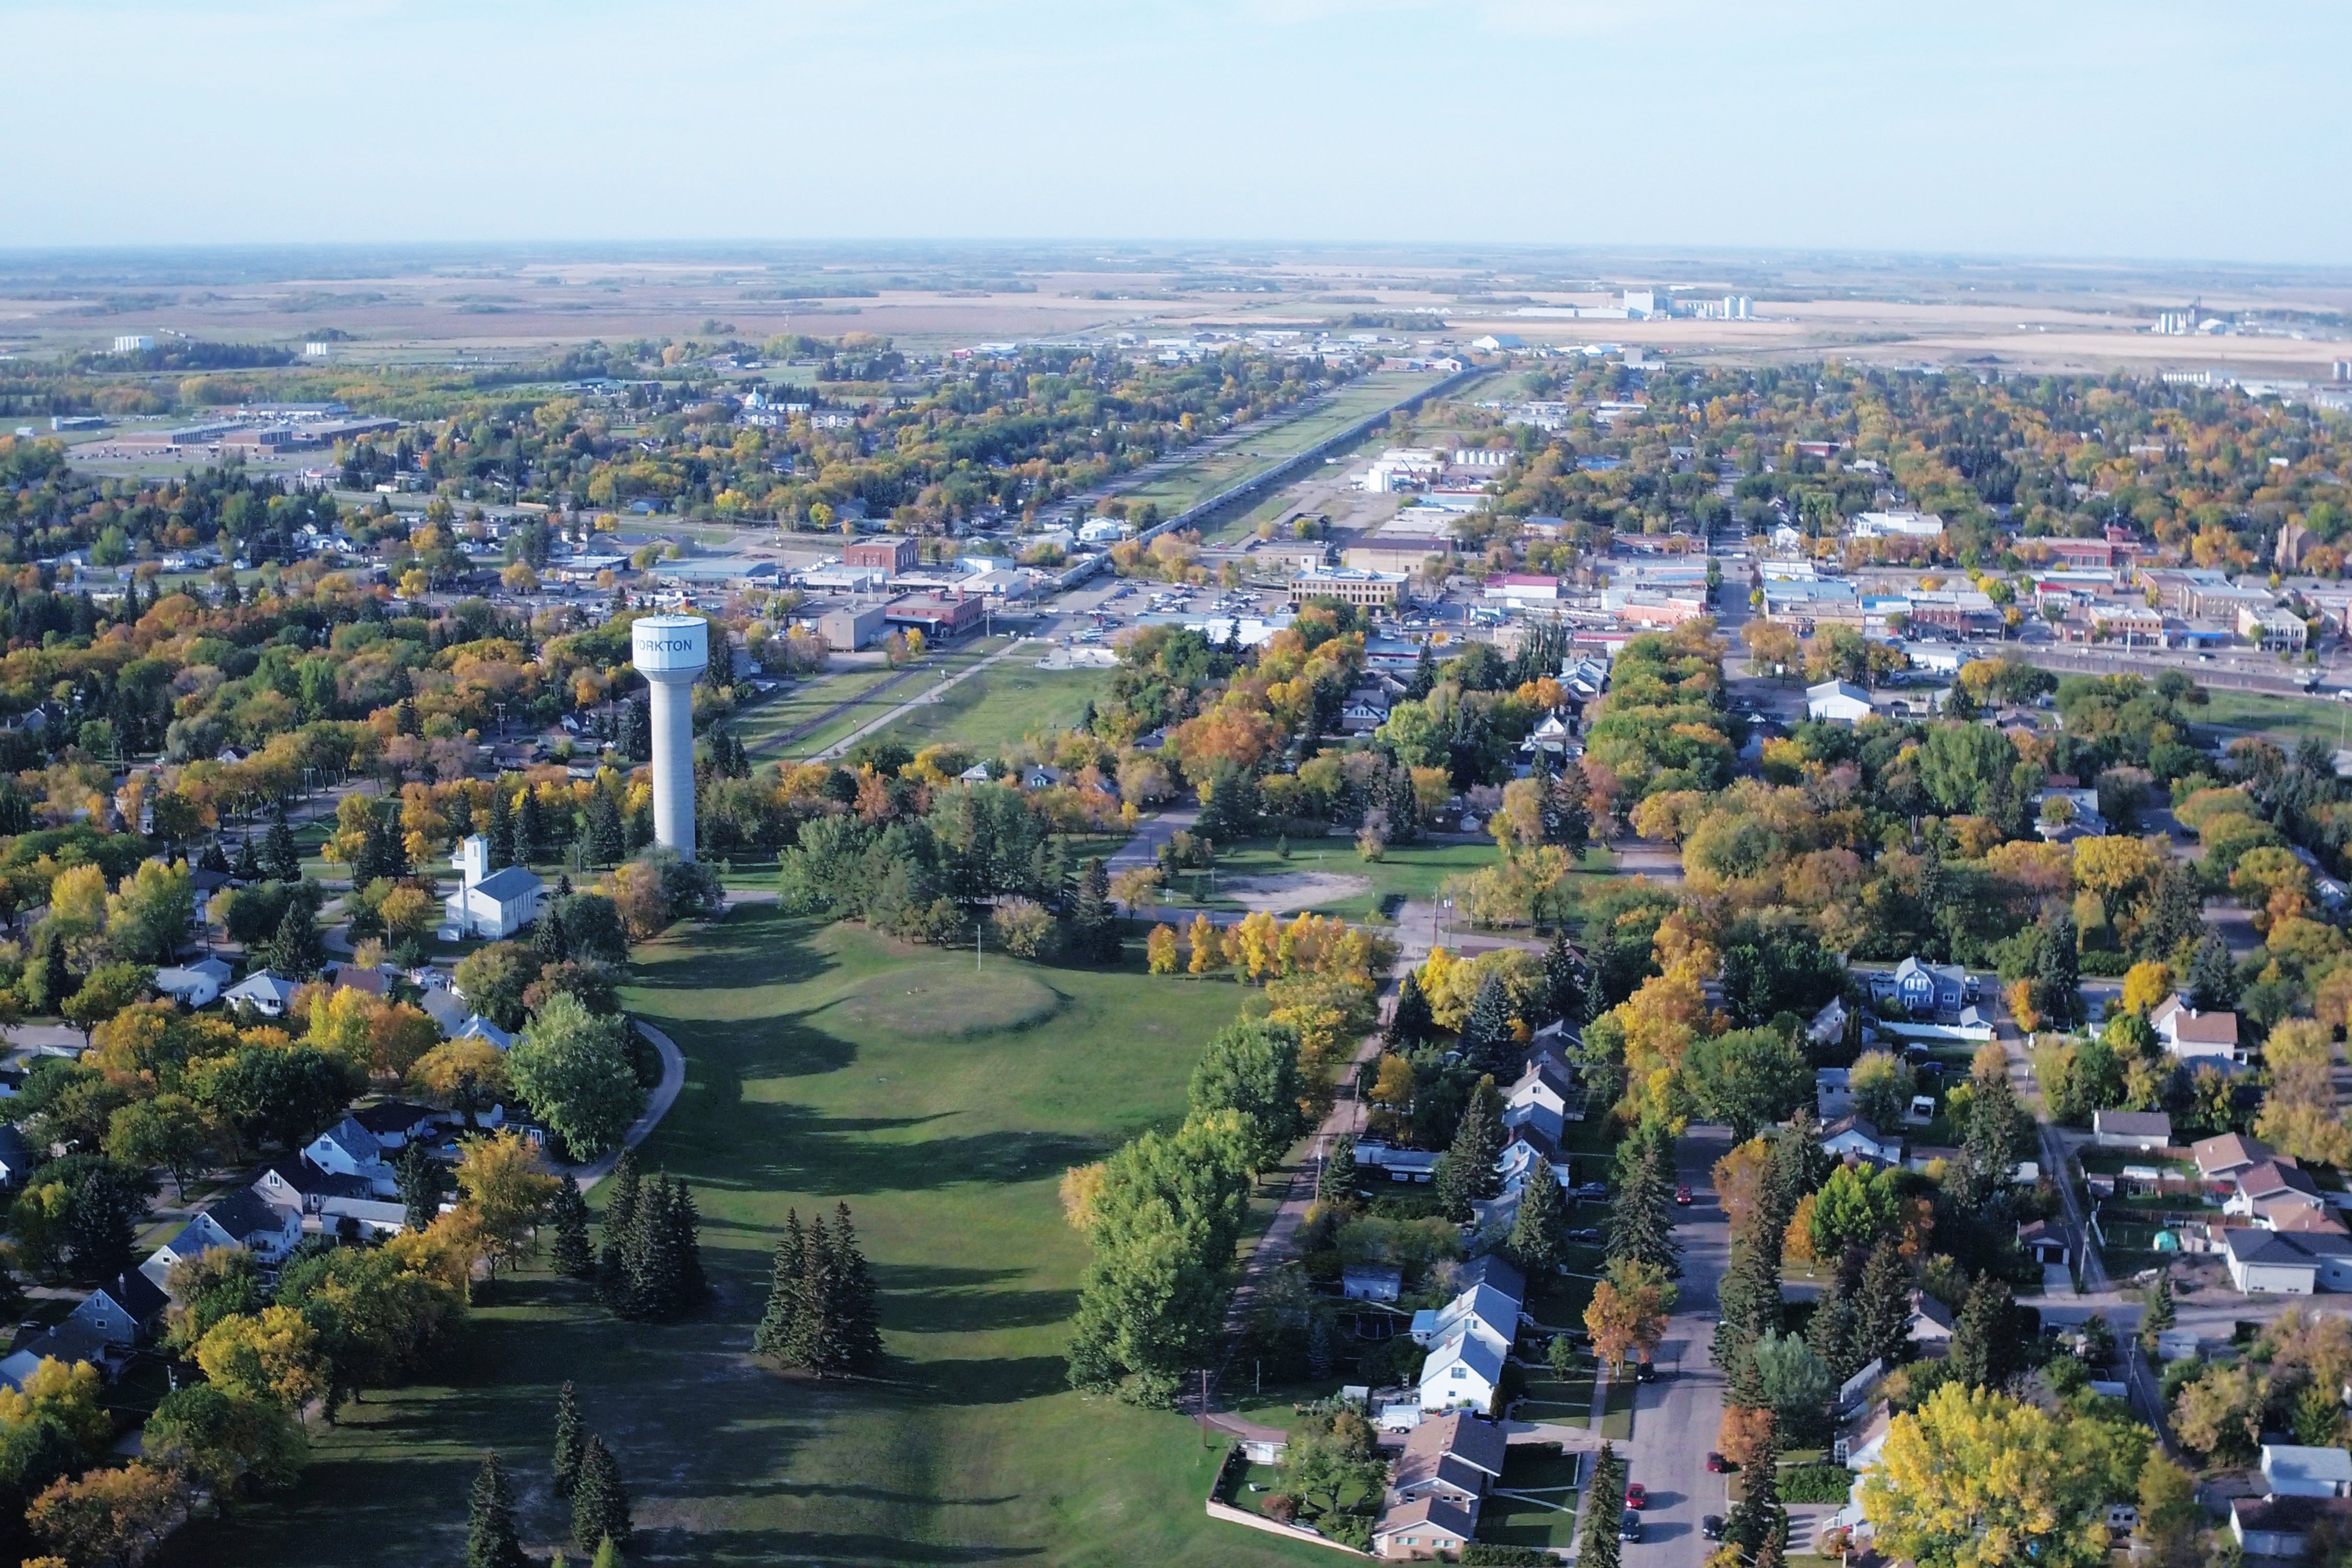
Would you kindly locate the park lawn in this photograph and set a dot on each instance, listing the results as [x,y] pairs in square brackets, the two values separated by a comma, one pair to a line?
[2290,718]
[826,1065]
[1413,872]
[760,729]
[875,701]
[1003,704]
[1277,441]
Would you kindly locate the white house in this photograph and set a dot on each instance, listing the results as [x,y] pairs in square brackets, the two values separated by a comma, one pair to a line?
[1542,1098]
[1837,702]
[481,1029]
[1832,1093]
[2296,1470]
[2193,1035]
[491,904]
[240,1219]
[1856,1138]
[2264,1262]
[196,985]
[347,1148]
[1462,1373]
[1483,1311]
[265,993]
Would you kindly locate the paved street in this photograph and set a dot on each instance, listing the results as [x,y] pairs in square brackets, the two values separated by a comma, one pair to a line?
[1675,1418]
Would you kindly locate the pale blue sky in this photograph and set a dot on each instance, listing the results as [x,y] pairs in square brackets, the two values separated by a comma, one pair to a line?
[2106,128]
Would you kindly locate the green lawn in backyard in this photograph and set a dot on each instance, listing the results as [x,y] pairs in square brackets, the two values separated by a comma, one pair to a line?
[1003,704]
[1544,1519]
[1408,871]
[1263,446]
[2290,718]
[826,1065]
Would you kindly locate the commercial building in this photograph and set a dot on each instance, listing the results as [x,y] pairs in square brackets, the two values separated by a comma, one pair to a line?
[1395,552]
[1366,590]
[133,345]
[851,627]
[936,619]
[892,555]
[1897,525]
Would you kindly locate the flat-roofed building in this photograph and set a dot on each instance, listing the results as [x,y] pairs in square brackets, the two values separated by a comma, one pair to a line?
[1395,552]
[1371,590]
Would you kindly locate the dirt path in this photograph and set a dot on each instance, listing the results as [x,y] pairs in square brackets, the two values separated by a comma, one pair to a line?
[1288,891]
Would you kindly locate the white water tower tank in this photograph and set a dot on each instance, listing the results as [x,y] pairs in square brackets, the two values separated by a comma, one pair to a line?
[671,652]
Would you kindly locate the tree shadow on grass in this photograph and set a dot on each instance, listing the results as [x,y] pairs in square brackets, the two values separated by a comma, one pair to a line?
[792,1149]
[833,1548]
[993,1380]
[916,1299]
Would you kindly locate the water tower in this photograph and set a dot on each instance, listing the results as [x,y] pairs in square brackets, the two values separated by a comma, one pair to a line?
[670,652]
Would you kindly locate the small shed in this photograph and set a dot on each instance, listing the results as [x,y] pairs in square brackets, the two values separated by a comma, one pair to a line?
[1371,1282]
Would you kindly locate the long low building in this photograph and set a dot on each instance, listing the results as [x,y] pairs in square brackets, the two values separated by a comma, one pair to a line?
[1394,552]
[1373,589]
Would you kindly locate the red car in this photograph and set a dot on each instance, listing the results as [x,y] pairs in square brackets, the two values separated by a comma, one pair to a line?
[1635,1498]
[1683,1196]
[1715,1464]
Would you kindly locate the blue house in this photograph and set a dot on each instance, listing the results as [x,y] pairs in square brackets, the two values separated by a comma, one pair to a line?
[1927,987]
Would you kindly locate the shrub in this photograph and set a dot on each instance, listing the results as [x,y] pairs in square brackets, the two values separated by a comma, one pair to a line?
[1281,1506]
[1023,927]
[1816,1483]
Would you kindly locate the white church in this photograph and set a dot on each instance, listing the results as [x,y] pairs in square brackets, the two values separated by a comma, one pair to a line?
[489,904]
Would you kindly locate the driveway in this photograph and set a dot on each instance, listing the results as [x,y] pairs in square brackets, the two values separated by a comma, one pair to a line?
[1675,1418]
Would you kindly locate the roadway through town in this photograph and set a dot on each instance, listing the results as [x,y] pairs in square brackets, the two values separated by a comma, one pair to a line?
[1677,1417]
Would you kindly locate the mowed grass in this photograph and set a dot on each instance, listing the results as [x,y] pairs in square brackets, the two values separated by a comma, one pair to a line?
[1410,871]
[2289,718]
[1261,448]
[943,1105]
[1003,704]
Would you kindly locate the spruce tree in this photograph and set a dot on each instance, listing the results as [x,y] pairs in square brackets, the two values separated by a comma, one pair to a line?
[1574,809]
[608,1554]
[248,865]
[613,1276]
[1596,993]
[1641,1214]
[1335,1184]
[1424,675]
[547,939]
[569,1436]
[1467,1174]
[1487,1043]
[461,817]
[605,844]
[686,1232]
[497,833]
[786,1328]
[279,858]
[2213,978]
[1831,1333]
[490,1538]
[2057,971]
[656,1272]
[1092,932]
[575,1255]
[528,831]
[1883,1308]
[855,1299]
[1410,1024]
[822,1294]
[1605,1507]
[600,1502]
[56,979]
[1762,1520]
[2175,919]
[1563,987]
[1982,1354]
[1539,1232]
[421,1182]
[2157,1313]
[294,952]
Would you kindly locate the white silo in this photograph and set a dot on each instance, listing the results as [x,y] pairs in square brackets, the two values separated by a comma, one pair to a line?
[670,652]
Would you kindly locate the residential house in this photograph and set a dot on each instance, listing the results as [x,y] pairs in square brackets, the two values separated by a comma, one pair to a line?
[1837,702]
[489,904]
[239,1220]
[347,1148]
[1423,1530]
[479,1027]
[1481,1311]
[2264,1262]
[102,1329]
[2284,1527]
[1927,987]
[2193,1035]
[302,1189]
[2225,1158]
[1857,1138]
[352,977]
[2272,1191]
[1464,1371]
[124,1310]
[265,993]
[1832,1093]
[1931,1322]
[1494,1271]
[1553,735]
[395,1124]
[445,1007]
[196,985]
[2296,1470]
[2148,1131]
[1542,1098]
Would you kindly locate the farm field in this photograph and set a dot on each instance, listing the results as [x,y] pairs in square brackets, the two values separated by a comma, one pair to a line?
[826,1065]
[1004,703]
[1192,483]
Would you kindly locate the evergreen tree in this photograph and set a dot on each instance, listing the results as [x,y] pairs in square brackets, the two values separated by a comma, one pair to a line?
[547,938]
[1835,1324]
[1989,1149]
[1883,1308]
[608,1554]
[2057,971]
[1574,809]
[656,1270]
[575,1255]
[570,1437]
[279,858]
[2213,978]
[1748,1301]
[614,1276]
[1092,933]
[686,1229]
[787,1329]
[497,831]
[1467,1174]
[294,952]
[248,865]
[1641,1214]
[1539,1232]
[461,817]
[1982,1354]
[605,841]
[1335,1185]
[635,740]
[1410,1024]
[600,1503]
[1762,1520]
[1596,993]
[214,860]
[56,979]
[1604,1509]
[2175,919]
[422,1182]
[529,830]
[2156,1313]
[1563,985]
[854,1300]
[1424,675]
[1487,1039]
[490,1538]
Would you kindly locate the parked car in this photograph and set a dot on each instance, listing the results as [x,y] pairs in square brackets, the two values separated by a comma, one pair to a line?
[1711,1527]
[1645,1372]
[1594,1192]
[1716,1463]
[1630,1528]
[1637,1496]
[1683,1197]
[1586,1238]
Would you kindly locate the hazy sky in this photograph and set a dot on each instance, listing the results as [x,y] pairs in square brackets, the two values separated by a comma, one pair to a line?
[2109,128]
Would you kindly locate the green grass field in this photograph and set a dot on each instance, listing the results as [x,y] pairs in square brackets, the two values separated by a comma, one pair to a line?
[1003,704]
[1412,871]
[1189,484]
[2288,718]
[943,1105]
[863,693]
